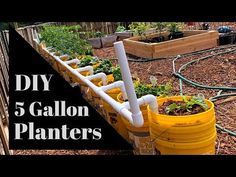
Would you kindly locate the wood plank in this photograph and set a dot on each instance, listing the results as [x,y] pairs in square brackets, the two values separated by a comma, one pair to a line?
[4,92]
[189,39]
[182,49]
[29,33]
[185,43]
[4,139]
[3,107]
[4,76]
[202,40]
[138,49]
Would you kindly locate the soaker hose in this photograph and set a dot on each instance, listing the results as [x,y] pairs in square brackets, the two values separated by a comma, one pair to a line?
[225,130]
[218,96]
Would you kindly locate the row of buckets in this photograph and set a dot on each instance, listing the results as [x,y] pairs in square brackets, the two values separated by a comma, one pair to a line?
[160,134]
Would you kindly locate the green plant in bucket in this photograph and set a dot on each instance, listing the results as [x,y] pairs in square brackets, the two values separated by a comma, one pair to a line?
[87,61]
[104,67]
[116,73]
[187,105]
[153,88]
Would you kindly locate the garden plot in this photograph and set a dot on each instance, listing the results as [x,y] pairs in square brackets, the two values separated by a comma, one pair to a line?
[163,77]
[190,42]
[216,71]
[162,70]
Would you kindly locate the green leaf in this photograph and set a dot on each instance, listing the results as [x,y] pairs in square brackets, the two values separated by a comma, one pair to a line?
[87,61]
[120,29]
[104,67]
[65,39]
[171,108]
[117,73]
[200,101]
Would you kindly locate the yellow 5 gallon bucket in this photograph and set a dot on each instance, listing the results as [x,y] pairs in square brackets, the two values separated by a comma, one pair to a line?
[183,135]
[50,59]
[139,137]
[94,99]
[113,117]
[64,72]
[40,48]
[109,112]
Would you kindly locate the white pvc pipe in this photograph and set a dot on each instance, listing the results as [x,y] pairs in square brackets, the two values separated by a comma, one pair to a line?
[65,55]
[146,100]
[129,87]
[117,84]
[74,61]
[121,109]
[102,76]
[116,105]
[86,68]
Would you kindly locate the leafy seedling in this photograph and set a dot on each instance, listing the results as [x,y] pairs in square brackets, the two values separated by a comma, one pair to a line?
[104,67]
[117,73]
[87,61]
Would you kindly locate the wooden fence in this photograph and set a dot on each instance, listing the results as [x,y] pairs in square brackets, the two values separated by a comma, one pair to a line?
[4,91]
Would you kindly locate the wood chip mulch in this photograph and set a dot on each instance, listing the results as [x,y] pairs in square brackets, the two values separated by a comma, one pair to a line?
[216,71]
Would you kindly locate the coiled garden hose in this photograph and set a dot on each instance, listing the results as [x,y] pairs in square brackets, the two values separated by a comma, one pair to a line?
[218,96]
[181,77]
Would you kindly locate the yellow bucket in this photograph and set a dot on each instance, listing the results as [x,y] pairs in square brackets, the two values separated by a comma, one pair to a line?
[84,87]
[139,137]
[41,46]
[63,71]
[48,57]
[191,134]
[113,117]
[94,99]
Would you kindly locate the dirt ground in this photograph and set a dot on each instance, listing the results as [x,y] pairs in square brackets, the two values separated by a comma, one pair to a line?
[220,71]
[215,71]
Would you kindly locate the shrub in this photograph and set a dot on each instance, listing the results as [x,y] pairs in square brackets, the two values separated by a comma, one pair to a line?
[65,39]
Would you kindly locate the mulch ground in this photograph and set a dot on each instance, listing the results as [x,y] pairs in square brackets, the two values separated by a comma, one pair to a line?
[215,71]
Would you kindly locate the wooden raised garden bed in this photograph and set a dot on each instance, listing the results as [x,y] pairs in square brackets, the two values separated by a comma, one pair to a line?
[190,42]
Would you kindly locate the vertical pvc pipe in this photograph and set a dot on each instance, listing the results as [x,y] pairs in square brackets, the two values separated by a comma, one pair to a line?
[129,87]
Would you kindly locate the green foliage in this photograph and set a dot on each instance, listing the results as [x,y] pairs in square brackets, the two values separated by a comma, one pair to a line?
[65,39]
[154,89]
[104,67]
[120,29]
[174,27]
[96,34]
[172,107]
[195,101]
[160,26]
[116,73]
[187,104]
[139,28]
[4,26]
[87,61]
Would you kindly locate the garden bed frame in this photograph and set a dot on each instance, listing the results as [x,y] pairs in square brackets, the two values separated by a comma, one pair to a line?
[192,41]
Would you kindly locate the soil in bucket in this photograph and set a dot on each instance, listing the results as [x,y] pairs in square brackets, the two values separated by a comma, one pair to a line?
[179,109]
[182,128]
